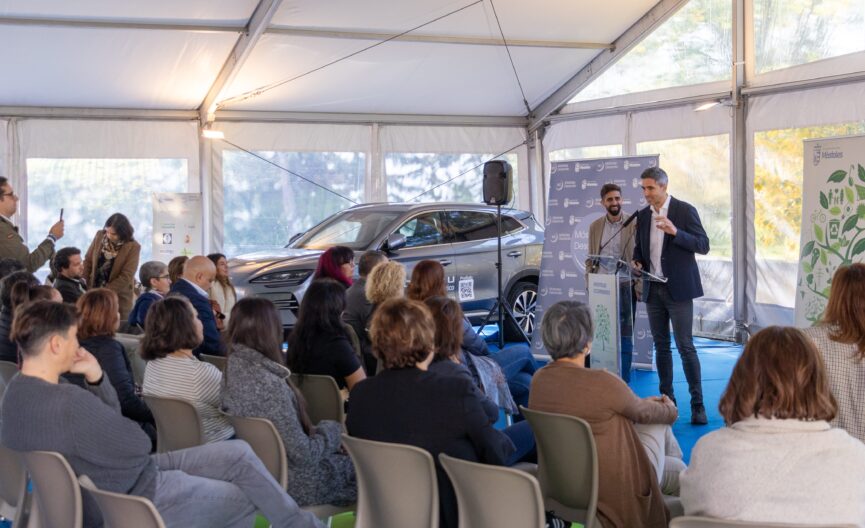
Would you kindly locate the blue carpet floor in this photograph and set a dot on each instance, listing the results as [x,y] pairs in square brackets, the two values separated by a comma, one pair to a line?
[716,361]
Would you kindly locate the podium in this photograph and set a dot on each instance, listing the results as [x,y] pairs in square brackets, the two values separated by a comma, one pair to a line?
[610,301]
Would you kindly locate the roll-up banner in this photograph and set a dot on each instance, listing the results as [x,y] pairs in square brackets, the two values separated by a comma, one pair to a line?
[176,225]
[833,219]
[574,203]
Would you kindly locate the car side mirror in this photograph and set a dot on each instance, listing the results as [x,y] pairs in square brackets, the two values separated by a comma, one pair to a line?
[394,242]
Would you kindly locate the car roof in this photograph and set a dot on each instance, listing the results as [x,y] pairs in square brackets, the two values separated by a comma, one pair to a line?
[422,206]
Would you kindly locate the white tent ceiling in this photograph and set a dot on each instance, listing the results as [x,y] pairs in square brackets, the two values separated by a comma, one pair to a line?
[144,55]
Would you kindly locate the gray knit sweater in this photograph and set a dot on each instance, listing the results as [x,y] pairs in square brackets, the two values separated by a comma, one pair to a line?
[318,472]
[85,426]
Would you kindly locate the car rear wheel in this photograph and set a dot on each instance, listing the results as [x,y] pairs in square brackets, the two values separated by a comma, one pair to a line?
[522,300]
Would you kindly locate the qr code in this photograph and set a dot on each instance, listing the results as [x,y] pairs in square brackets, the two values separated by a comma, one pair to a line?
[467,289]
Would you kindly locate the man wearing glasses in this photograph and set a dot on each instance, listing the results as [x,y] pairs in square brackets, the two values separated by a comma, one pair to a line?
[12,243]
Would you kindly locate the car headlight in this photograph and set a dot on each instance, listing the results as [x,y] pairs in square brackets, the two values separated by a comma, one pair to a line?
[290,276]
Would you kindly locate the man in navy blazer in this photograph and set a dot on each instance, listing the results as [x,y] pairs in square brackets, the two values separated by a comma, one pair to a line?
[198,275]
[669,233]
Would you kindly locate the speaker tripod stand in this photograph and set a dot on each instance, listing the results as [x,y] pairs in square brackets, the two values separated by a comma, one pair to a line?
[501,307]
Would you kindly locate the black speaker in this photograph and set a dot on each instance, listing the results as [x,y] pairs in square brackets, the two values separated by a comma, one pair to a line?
[497,182]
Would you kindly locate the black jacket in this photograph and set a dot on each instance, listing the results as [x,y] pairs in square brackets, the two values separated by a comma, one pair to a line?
[70,289]
[439,413]
[111,356]
[8,349]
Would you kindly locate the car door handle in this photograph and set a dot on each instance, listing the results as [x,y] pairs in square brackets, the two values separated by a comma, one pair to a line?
[514,253]
[445,262]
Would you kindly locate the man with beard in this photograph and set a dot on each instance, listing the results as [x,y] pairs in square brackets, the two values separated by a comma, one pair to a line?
[610,237]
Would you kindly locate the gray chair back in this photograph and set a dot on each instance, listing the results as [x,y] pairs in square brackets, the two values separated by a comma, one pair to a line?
[56,488]
[567,465]
[119,510]
[396,485]
[132,343]
[494,495]
[217,361]
[264,439]
[323,398]
[178,425]
[13,485]
[706,522]
[7,371]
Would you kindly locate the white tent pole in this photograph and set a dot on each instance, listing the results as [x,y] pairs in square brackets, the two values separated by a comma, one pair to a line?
[741,195]
[656,16]
[255,28]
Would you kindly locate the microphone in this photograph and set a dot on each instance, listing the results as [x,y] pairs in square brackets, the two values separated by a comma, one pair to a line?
[627,222]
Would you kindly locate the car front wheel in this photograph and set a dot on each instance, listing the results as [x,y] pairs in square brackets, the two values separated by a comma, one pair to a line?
[522,300]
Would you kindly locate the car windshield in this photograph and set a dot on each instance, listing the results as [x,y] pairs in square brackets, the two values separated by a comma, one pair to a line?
[354,229]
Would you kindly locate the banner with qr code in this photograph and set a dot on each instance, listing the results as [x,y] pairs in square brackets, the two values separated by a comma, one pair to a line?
[176,225]
[573,204]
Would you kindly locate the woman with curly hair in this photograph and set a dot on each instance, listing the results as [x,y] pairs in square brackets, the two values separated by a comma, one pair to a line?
[112,260]
[336,263]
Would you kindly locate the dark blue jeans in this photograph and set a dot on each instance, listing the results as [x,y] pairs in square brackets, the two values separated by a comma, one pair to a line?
[523,438]
[626,321]
[662,311]
[518,366]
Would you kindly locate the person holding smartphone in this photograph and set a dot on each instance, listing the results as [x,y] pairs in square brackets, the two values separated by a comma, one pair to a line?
[12,243]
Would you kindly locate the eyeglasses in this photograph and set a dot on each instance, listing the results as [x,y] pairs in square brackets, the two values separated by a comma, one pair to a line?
[164,277]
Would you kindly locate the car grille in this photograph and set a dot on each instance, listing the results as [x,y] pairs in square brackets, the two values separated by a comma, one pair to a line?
[289,303]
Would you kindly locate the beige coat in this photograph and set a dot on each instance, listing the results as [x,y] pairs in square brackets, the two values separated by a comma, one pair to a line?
[12,246]
[122,277]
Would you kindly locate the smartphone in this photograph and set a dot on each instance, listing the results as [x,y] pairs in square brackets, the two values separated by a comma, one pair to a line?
[61,214]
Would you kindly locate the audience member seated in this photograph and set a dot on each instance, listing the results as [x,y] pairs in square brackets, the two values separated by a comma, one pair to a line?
[448,361]
[632,459]
[171,332]
[175,268]
[840,338]
[111,261]
[778,459]
[222,291]
[408,404]
[218,485]
[8,349]
[336,263]
[385,281]
[358,308]
[23,293]
[198,275]
[98,320]
[154,277]
[69,269]
[516,361]
[318,343]
[257,385]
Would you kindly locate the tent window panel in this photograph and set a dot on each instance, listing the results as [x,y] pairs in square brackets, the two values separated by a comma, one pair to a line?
[578,153]
[410,174]
[694,46]
[797,32]
[778,162]
[265,205]
[91,190]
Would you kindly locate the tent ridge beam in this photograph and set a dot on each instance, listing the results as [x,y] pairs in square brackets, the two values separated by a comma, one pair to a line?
[82,23]
[382,119]
[656,16]
[258,22]
[435,39]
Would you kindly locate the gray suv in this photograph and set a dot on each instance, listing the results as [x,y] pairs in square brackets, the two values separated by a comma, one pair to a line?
[460,236]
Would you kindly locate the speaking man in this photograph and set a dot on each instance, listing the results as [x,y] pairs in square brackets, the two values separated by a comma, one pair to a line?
[669,233]
[612,236]
[12,243]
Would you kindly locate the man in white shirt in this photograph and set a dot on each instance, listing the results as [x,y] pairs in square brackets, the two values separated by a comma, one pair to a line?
[669,234]
[12,243]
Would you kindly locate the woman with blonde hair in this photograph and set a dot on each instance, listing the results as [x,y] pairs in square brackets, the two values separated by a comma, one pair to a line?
[385,281]
[778,460]
[840,338]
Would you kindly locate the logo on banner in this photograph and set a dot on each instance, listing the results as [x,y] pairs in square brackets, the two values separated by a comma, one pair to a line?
[543,292]
[635,183]
[599,167]
[590,202]
[554,238]
[821,153]
[588,183]
[560,185]
[816,158]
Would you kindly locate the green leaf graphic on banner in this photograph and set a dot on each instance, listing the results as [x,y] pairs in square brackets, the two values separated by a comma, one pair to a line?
[825,292]
[807,267]
[861,173]
[861,210]
[835,211]
[824,202]
[823,258]
[809,247]
[814,257]
[809,278]
[818,232]
[859,247]
[850,223]
[848,192]
[836,246]
[837,177]
[860,192]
